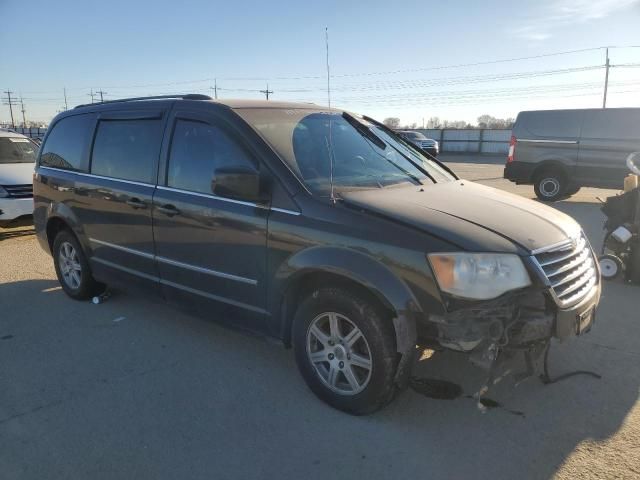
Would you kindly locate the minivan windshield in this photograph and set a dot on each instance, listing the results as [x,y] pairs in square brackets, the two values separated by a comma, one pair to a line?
[17,150]
[364,155]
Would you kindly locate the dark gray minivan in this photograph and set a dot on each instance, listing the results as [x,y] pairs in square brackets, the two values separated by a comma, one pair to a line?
[559,151]
[312,225]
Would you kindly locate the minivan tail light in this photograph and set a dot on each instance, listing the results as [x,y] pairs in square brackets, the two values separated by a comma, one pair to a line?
[512,149]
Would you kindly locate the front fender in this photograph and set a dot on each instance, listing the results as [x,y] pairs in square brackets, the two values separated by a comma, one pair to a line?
[357,267]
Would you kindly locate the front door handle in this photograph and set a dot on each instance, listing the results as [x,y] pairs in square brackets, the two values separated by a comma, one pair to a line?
[169,210]
[136,203]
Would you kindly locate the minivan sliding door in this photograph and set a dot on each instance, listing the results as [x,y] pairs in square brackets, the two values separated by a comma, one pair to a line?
[115,198]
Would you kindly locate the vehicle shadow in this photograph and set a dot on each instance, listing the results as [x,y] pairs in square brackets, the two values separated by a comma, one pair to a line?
[88,382]
[18,228]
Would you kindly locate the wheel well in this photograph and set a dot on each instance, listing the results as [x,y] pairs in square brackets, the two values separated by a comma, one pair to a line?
[550,166]
[313,280]
[55,225]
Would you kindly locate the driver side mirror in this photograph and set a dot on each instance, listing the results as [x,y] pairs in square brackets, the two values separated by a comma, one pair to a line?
[633,162]
[238,183]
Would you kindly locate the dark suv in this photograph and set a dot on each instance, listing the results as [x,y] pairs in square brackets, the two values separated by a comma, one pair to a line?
[312,225]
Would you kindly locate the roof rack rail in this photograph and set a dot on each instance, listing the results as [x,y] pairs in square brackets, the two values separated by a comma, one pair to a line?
[187,96]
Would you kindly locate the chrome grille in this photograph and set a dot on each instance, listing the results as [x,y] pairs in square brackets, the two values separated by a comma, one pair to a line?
[571,271]
[19,191]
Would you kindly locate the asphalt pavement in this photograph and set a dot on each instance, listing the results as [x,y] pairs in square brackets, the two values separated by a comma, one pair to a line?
[132,388]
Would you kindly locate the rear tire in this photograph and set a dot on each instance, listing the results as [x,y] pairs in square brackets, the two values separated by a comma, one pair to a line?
[72,267]
[573,190]
[550,185]
[345,350]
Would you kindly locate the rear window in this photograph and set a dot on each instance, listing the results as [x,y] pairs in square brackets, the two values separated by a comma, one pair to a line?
[415,135]
[66,144]
[127,149]
[17,150]
[614,123]
[551,124]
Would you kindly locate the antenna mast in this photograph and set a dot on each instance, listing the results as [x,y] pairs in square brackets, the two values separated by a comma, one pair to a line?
[326,38]
[330,139]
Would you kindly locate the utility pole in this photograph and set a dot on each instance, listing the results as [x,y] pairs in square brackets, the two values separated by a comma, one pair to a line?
[267,91]
[606,81]
[423,123]
[215,88]
[10,102]
[24,120]
[91,95]
[101,93]
[66,107]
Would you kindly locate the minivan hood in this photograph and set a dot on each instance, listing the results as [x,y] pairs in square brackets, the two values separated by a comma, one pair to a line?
[472,216]
[16,173]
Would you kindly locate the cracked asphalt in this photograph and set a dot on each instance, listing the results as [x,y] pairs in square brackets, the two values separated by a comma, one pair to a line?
[134,389]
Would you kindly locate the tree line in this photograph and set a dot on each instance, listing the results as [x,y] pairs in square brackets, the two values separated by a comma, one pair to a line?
[484,121]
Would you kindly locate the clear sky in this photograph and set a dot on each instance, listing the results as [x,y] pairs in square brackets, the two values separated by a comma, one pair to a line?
[131,48]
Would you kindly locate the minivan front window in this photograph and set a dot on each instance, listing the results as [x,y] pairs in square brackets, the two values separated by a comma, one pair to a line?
[364,155]
[17,150]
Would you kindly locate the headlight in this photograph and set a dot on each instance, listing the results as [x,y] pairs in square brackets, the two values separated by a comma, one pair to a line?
[479,276]
[3,193]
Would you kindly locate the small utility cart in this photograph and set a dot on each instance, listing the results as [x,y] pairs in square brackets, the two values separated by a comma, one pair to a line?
[621,247]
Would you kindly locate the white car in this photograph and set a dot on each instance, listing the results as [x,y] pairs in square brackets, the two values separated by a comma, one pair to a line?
[17,161]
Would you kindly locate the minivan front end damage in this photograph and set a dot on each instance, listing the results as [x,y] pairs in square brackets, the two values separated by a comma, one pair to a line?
[498,334]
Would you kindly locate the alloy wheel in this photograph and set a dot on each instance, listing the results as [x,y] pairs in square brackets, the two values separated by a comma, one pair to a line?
[339,352]
[69,265]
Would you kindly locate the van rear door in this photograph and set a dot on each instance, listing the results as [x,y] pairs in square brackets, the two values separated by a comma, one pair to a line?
[608,137]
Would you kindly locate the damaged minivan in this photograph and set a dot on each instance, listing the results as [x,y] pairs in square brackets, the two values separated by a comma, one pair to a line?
[316,226]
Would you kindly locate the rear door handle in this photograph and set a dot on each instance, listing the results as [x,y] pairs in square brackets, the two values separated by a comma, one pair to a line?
[136,203]
[169,210]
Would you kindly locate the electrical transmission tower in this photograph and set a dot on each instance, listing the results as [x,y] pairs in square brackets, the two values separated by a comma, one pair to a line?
[101,93]
[24,119]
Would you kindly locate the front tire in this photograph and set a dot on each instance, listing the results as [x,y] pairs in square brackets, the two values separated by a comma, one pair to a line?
[550,185]
[72,267]
[345,350]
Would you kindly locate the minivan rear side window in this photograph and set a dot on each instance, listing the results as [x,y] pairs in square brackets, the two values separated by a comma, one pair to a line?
[66,144]
[127,149]
[197,149]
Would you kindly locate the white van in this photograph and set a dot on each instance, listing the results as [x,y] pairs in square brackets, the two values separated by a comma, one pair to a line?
[17,161]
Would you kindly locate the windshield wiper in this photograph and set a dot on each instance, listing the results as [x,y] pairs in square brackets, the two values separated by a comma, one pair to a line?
[363,130]
[393,134]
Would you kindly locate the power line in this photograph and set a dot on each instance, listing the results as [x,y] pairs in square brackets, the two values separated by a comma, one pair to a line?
[347,75]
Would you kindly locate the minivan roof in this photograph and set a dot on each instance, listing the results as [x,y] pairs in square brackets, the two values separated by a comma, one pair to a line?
[231,103]
[10,133]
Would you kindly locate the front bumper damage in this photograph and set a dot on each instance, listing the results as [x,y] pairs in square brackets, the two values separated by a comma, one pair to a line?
[500,333]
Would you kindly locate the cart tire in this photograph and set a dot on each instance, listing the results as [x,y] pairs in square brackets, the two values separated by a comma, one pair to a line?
[610,266]
[634,264]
